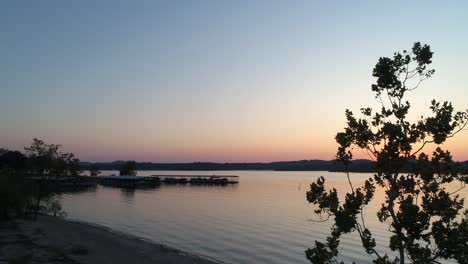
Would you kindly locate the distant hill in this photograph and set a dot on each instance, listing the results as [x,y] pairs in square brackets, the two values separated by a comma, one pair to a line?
[302,165]
[360,165]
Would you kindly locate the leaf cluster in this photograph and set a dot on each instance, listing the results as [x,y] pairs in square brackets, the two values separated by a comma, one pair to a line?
[47,159]
[425,219]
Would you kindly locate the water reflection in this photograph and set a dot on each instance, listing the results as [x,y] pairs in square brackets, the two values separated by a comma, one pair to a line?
[77,189]
[127,194]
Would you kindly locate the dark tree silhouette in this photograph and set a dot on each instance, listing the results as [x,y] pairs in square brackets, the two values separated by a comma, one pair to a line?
[13,159]
[26,180]
[427,221]
[128,168]
[14,191]
[46,161]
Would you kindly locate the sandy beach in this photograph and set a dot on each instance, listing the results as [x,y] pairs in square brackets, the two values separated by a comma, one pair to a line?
[100,244]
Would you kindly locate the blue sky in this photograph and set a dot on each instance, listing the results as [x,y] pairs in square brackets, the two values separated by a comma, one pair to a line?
[174,81]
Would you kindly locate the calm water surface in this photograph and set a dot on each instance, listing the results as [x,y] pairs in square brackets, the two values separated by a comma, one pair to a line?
[263,219]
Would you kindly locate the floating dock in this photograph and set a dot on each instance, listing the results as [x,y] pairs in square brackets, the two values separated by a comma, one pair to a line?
[156,180]
[129,181]
[199,179]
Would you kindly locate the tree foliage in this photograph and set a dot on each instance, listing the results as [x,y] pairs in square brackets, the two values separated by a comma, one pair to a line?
[25,189]
[47,159]
[14,191]
[426,221]
[128,168]
[26,180]
[13,160]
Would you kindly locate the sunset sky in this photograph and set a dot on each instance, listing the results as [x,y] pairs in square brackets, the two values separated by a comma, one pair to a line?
[222,81]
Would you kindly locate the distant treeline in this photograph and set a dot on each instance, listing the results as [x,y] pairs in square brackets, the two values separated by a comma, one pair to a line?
[302,165]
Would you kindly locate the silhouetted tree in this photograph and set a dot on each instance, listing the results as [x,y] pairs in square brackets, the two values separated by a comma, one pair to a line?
[13,159]
[425,219]
[128,168]
[47,162]
[14,193]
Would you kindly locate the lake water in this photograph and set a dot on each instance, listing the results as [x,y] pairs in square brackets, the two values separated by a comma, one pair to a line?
[263,219]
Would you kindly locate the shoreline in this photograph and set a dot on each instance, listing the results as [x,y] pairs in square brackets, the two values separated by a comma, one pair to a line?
[95,243]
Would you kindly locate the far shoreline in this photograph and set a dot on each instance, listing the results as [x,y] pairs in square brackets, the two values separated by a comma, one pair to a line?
[357,166]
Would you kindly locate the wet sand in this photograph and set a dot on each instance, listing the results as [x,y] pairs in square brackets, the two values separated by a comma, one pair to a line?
[101,245]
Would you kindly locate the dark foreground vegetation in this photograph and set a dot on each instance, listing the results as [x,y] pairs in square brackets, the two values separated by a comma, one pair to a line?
[428,223]
[28,180]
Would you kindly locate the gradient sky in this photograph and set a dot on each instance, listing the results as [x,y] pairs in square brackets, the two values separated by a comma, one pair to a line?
[226,81]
